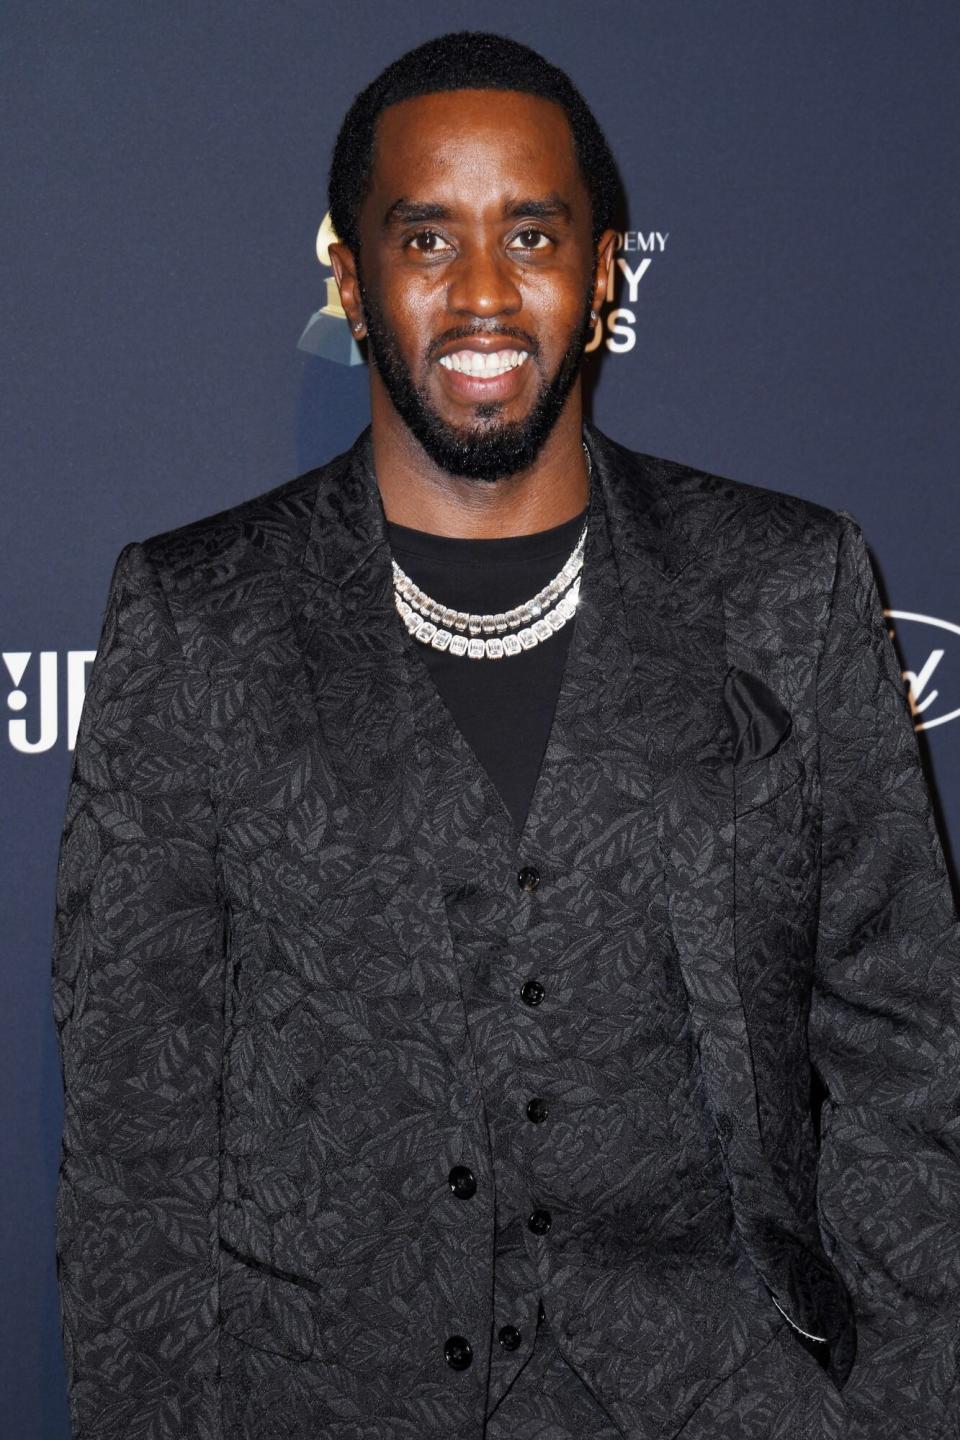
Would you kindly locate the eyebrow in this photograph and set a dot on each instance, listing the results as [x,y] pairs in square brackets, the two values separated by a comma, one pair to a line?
[409,212]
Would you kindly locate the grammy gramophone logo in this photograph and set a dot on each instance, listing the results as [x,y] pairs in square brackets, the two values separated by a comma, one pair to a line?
[327,333]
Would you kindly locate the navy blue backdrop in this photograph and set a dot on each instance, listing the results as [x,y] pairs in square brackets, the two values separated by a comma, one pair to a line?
[784,313]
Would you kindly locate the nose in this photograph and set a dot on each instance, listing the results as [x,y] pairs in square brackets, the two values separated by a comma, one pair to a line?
[481,283]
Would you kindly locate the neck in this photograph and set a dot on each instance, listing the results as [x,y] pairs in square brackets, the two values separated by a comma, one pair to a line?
[417,493]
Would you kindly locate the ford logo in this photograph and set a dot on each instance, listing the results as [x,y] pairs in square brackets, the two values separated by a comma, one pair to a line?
[932,647]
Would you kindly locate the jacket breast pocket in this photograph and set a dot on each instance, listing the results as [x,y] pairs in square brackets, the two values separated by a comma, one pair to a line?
[777,777]
[767,760]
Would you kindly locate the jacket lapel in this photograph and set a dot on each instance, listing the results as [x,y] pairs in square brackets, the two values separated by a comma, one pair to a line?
[674,608]
[674,602]
[353,648]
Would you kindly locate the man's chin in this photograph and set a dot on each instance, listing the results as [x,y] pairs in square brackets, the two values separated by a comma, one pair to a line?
[480,455]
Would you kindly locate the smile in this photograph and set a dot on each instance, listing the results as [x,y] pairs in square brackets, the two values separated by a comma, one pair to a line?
[480,365]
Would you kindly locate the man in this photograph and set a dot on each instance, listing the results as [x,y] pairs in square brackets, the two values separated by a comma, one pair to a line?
[505,969]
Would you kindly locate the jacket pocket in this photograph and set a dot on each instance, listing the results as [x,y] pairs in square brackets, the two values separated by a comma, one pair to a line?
[759,782]
[268,1308]
[766,756]
[817,1366]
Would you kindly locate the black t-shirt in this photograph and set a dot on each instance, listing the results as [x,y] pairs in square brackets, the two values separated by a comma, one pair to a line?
[504,708]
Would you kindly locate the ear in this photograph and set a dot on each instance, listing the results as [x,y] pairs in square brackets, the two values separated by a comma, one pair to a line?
[345,271]
[606,245]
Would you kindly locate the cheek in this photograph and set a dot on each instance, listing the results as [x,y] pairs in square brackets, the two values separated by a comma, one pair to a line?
[415,314]
[556,305]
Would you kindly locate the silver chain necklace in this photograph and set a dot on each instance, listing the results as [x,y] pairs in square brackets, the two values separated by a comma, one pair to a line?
[493,636]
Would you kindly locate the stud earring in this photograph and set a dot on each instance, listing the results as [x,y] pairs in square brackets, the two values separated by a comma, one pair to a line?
[358,326]
[593,316]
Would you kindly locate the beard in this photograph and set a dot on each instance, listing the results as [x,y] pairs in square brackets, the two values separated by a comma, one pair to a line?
[492,449]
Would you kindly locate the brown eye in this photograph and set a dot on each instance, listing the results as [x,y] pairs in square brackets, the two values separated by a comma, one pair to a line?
[532,239]
[433,243]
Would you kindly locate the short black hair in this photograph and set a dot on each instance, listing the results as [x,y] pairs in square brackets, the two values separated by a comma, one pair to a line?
[465,60]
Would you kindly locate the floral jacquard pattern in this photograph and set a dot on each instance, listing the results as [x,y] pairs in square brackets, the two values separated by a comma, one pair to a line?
[288,945]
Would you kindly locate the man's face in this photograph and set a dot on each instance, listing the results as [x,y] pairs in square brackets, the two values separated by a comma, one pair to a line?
[476,251]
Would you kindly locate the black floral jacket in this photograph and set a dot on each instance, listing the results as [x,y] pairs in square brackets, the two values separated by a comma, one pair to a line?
[244,803]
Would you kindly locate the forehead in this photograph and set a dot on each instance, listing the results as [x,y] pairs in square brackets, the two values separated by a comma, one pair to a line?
[474,144]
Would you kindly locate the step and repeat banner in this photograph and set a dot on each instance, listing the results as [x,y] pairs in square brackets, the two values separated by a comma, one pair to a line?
[783,311]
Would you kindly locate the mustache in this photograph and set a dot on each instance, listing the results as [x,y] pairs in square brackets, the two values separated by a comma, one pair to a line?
[474,332]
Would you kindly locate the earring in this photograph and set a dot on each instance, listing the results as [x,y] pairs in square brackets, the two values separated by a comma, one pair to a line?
[358,326]
[593,316]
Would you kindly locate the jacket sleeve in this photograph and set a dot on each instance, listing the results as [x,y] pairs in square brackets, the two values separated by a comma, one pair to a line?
[137,996]
[885,1030]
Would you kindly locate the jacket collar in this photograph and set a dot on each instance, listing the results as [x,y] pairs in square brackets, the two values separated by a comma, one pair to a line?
[348,523]
[642,505]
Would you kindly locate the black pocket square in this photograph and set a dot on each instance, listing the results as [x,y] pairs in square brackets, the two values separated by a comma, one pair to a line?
[760,722]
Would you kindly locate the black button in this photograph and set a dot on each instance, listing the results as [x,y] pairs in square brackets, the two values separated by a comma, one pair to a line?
[509,1337]
[528,878]
[540,1222]
[462,1182]
[532,992]
[537,1110]
[457,1352]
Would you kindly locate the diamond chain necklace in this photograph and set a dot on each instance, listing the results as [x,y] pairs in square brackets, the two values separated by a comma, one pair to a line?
[505,633]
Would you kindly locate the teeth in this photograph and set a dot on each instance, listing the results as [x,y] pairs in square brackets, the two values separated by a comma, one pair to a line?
[475,362]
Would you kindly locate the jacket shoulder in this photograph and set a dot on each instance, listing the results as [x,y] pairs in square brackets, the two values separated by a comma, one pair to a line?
[256,538]
[742,522]
[271,524]
[774,553]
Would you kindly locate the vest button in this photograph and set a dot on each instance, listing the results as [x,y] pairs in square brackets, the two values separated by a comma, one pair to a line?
[462,1182]
[509,1337]
[457,1352]
[532,992]
[528,878]
[540,1222]
[537,1110]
